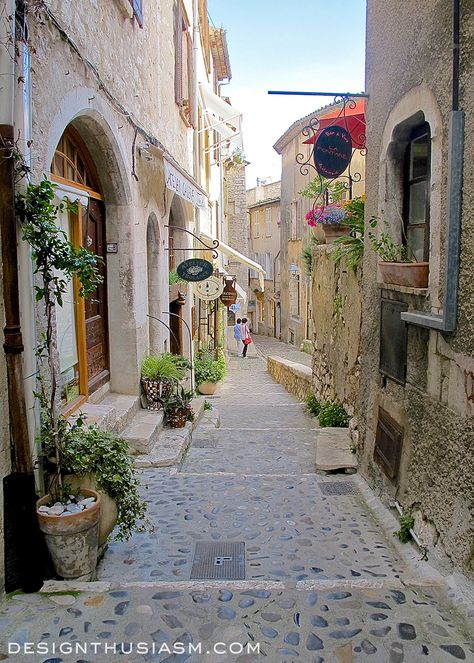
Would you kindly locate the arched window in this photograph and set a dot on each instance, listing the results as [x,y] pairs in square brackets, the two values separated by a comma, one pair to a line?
[71,163]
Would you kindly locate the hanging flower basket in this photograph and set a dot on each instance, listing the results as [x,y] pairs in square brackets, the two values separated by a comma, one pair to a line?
[330,218]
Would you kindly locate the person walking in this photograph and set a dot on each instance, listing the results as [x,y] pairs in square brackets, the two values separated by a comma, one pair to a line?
[238,336]
[245,335]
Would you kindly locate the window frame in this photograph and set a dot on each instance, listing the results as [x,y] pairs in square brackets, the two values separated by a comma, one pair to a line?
[417,132]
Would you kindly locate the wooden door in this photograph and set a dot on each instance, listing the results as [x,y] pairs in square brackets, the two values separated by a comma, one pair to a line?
[97,346]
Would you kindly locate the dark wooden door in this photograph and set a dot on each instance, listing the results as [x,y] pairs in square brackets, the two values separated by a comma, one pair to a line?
[97,346]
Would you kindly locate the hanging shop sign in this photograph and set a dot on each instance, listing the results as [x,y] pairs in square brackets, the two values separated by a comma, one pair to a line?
[209,289]
[229,294]
[195,269]
[333,152]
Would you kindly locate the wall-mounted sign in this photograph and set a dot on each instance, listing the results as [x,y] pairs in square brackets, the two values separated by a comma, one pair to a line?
[111,247]
[209,289]
[234,307]
[184,187]
[229,294]
[333,152]
[195,269]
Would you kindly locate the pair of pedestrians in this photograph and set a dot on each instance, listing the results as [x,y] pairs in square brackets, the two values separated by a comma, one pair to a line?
[242,336]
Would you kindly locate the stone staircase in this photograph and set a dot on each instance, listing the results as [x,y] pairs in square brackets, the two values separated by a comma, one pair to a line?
[149,442]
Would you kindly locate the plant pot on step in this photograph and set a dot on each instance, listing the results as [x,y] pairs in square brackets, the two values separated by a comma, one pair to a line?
[177,419]
[407,274]
[156,391]
[108,507]
[334,230]
[72,540]
[207,388]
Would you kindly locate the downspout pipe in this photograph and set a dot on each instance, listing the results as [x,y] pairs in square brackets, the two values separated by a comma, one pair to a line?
[196,38]
[447,320]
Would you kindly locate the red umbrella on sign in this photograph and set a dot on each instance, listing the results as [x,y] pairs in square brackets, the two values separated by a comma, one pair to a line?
[351,119]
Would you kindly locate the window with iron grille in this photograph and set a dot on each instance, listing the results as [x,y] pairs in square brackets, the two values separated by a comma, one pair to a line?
[416,207]
[393,340]
[137,11]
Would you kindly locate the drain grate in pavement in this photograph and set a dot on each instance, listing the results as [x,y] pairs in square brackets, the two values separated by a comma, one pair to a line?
[337,488]
[219,561]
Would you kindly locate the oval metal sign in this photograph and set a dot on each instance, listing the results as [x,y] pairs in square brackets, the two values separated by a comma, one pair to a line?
[195,269]
[332,152]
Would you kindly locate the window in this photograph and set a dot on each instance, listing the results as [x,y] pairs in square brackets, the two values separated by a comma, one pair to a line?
[137,11]
[416,208]
[293,220]
[183,79]
[268,222]
[256,226]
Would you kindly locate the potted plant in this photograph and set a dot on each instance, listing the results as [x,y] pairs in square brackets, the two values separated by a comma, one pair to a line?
[177,407]
[159,374]
[208,371]
[330,218]
[398,265]
[69,520]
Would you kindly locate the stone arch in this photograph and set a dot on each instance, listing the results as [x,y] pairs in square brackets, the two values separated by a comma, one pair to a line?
[156,270]
[418,105]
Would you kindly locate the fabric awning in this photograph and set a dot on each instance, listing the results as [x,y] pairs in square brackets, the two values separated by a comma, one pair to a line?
[222,117]
[244,260]
[353,121]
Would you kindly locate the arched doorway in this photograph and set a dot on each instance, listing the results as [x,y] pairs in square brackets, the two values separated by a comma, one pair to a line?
[82,326]
[155,288]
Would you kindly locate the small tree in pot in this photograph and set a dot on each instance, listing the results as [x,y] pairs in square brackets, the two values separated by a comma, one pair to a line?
[209,371]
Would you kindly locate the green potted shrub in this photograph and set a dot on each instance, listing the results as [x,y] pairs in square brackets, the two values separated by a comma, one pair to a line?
[159,374]
[68,520]
[208,371]
[177,407]
[397,264]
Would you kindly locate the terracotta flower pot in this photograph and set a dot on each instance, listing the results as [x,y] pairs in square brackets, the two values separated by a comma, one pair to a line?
[334,230]
[207,388]
[72,540]
[407,274]
[108,507]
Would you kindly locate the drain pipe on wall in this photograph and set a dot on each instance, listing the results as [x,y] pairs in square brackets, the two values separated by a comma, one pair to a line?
[446,321]
[415,538]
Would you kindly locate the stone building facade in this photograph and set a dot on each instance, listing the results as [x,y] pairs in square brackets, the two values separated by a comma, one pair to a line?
[264,233]
[296,297]
[416,410]
[115,108]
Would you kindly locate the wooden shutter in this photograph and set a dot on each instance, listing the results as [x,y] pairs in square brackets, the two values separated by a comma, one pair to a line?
[178,54]
[190,90]
[138,11]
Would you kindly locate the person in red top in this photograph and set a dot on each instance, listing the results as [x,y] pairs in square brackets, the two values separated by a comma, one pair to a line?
[246,338]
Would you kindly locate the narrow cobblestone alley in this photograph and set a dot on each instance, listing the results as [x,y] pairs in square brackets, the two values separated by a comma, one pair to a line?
[325,582]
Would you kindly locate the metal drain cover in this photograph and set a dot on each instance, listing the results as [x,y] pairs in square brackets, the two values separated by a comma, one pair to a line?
[219,561]
[337,488]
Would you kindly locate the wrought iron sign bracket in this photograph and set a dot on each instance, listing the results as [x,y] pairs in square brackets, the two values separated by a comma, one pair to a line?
[214,246]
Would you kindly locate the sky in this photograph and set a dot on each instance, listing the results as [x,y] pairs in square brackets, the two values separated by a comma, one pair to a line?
[279,45]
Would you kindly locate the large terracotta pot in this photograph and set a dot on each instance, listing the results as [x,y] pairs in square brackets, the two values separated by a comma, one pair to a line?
[72,540]
[334,230]
[108,508]
[207,388]
[407,274]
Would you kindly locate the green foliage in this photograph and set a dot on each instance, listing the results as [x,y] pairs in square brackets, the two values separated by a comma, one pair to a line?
[387,249]
[406,524]
[313,406]
[319,186]
[351,246]
[179,361]
[178,400]
[337,306]
[307,254]
[56,259]
[209,369]
[105,455]
[332,414]
[163,367]
[207,405]
[175,278]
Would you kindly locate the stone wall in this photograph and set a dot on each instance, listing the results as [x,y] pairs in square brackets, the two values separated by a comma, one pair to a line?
[296,378]
[237,225]
[337,302]
[412,83]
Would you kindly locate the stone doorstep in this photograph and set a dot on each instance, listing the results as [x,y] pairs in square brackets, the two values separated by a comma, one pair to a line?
[170,444]
[113,413]
[142,433]
[333,450]
[126,407]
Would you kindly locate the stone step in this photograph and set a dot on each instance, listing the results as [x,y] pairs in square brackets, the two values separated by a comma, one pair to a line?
[102,416]
[333,450]
[142,432]
[126,407]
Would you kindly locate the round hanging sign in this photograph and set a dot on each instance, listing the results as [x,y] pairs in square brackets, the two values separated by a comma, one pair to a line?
[195,269]
[332,152]
[209,289]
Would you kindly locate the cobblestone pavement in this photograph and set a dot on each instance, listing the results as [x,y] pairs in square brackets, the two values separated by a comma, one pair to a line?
[325,580]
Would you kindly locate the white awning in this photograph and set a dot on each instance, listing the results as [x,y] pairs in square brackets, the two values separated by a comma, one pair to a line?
[244,260]
[222,117]
[184,186]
